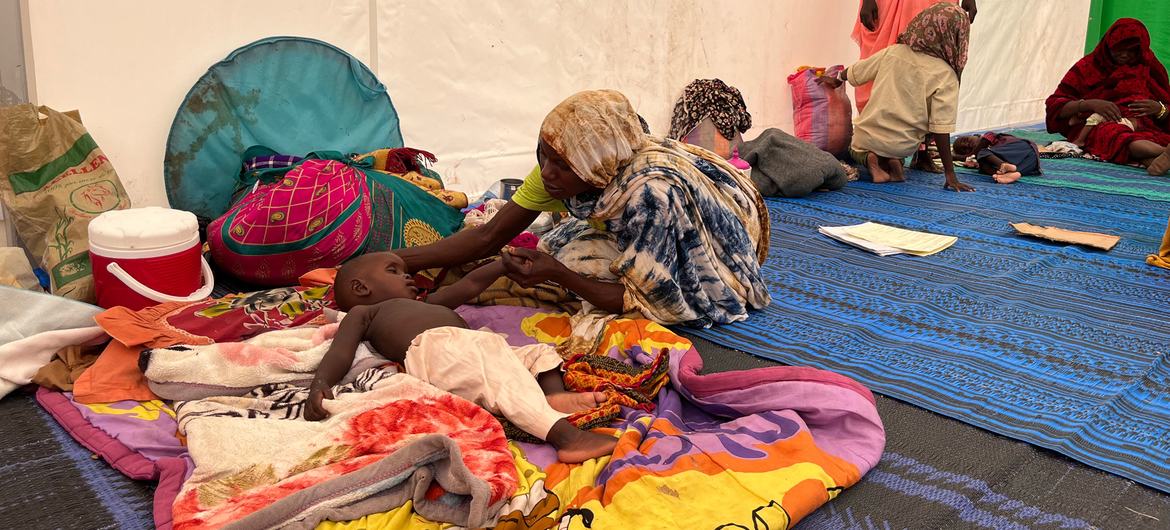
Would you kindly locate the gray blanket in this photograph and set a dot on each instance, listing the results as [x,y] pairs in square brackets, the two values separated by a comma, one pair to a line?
[786,166]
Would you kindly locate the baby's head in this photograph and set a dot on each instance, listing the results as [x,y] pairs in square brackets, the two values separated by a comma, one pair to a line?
[965,146]
[371,279]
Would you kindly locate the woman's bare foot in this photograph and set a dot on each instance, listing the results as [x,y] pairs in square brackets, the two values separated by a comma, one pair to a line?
[874,164]
[897,173]
[1007,178]
[571,402]
[1006,168]
[575,445]
[1159,166]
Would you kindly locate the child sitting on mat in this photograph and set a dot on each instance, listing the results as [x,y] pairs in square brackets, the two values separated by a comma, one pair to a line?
[915,94]
[1003,156]
[434,344]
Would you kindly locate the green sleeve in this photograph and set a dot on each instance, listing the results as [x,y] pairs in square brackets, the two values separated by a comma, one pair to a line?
[531,195]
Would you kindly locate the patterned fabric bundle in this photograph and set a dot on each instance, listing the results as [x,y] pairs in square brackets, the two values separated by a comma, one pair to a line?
[714,99]
[272,161]
[317,215]
[407,164]
[633,387]
[545,296]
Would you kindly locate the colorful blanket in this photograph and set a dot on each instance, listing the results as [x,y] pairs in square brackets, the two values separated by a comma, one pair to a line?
[198,371]
[751,449]
[391,438]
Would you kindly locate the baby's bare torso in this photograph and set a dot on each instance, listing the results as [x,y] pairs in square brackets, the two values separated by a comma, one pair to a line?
[398,321]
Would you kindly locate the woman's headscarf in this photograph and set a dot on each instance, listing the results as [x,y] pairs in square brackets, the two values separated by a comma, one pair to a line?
[1096,76]
[941,30]
[1104,79]
[597,132]
[685,231]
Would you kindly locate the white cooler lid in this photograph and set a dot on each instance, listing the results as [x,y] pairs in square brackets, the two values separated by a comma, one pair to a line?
[146,228]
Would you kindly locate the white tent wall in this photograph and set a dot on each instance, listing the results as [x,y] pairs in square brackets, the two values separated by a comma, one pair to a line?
[472,80]
[1020,49]
[126,65]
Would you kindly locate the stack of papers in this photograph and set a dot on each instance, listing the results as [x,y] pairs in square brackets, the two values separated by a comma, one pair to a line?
[886,240]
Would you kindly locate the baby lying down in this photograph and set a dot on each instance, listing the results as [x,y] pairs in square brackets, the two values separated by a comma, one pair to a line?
[434,344]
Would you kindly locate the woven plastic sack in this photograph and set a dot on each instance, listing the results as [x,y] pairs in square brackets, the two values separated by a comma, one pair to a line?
[822,116]
[54,179]
[317,215]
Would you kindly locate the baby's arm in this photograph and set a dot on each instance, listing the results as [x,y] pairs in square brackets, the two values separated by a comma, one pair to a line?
[470,286]
[338,360]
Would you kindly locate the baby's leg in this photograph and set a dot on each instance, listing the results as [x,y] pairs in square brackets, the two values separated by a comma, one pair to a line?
[482,367]
[544,363]
[575,445]
[564,400]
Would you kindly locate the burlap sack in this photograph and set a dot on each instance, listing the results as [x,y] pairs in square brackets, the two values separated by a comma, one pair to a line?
[54,179]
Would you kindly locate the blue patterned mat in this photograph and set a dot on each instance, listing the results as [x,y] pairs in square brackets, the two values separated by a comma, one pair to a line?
[1055,345]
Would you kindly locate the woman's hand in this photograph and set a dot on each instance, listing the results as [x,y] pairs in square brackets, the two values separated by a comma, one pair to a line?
[869,14]
[1107,109]
[1145,107]
[529,267]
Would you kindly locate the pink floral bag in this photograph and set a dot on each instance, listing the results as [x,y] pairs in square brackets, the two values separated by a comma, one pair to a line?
[317,215]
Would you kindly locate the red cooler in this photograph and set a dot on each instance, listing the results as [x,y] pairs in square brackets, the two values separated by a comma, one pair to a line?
[145,256]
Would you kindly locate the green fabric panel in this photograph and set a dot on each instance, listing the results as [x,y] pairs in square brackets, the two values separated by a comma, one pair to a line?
[1154,14]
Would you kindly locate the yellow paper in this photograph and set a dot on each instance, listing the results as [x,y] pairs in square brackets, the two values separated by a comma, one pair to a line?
[908,241]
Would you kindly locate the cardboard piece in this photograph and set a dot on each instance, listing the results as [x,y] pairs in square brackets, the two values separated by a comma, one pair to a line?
[1052,233]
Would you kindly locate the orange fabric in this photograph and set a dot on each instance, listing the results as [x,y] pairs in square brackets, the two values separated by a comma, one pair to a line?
[893,16]
[115,376]
[141,328]
[318,277]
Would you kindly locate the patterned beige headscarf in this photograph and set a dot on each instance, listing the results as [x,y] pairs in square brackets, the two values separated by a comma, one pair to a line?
[597,132]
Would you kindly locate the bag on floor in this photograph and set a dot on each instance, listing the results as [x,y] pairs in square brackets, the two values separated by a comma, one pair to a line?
[822,116]
[316,215]
[54,179]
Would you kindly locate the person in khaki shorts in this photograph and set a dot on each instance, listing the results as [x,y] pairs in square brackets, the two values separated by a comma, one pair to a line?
[915,94]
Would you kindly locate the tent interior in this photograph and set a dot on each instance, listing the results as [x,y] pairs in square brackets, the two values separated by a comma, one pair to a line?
[995,380]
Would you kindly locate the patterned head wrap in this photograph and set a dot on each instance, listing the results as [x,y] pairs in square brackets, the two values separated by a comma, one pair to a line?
[597,132]
[941,30]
